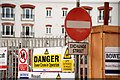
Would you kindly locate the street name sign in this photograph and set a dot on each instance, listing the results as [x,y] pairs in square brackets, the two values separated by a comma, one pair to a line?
[77,48]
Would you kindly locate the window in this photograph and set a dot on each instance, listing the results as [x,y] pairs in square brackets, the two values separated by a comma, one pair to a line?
[3,29]
[64,12]
[48,11]
[7,12]
[101,14]
[63,30]
[88,11]
[87,8]
[27,13]
[27,30]
[7,30]
[48,29]
[11,30]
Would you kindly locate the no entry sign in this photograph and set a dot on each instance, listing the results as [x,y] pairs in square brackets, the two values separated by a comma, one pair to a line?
[78,24]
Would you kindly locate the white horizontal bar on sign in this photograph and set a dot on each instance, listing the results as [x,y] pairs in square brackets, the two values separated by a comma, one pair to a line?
[78,24]
[112,66]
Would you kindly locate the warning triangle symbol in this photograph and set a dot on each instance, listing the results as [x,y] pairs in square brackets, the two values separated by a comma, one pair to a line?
[67,56]
[46,52]
[58,76]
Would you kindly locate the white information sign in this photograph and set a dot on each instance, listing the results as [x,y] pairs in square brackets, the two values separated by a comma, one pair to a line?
[58,76]
[3,58]
[35,75]
[45,75]
[112,60]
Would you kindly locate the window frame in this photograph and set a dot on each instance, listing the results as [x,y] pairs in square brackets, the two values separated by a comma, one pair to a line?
[28,15]
[48,12]
[11,30]
[48,30]
[63,30]
[101,16]
[64,12]
[89,11]
[24,29]
[25,33]
[7,15]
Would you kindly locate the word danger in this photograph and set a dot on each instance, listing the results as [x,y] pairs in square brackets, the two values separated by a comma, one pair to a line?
[47,61]
[52,58]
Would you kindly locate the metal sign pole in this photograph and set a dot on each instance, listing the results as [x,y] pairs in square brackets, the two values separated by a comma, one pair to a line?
[15,59]
[9,64]
[76,68]
[18,54]
[31,56]
[7,58]
[84,67]
[88,61]
[3,70]
[2,74]
[76,56]
[79,67]
[12,59]
[28,57]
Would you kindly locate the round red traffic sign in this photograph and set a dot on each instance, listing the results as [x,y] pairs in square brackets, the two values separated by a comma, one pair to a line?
[78,24]
[23,56]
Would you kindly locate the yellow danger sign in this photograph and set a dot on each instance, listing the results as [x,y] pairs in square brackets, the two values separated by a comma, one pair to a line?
[67,56]
[47,61]
[67,65]
[58,76]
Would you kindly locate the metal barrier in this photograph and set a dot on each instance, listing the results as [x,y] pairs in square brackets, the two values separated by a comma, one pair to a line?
[14,44]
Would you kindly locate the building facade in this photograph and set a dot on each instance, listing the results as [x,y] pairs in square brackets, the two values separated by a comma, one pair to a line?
[38,23]
[35,19]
